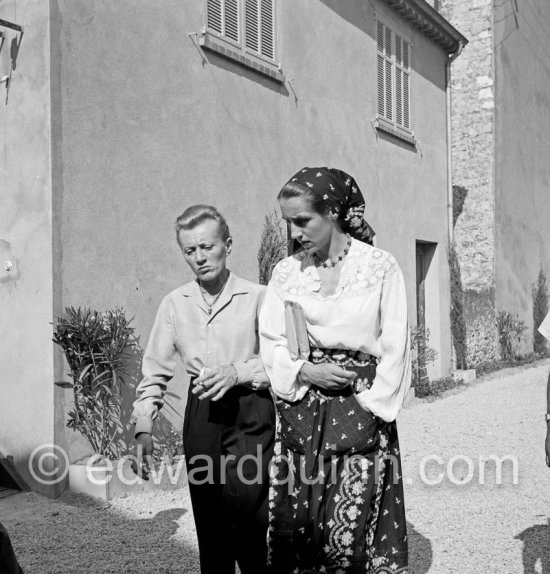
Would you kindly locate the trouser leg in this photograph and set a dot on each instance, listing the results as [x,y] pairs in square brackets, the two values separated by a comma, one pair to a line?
[248,446]
[216,554]
[202,444]
[235,437]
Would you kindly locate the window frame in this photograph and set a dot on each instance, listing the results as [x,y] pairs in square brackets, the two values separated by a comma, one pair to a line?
[388,121]
[240,50]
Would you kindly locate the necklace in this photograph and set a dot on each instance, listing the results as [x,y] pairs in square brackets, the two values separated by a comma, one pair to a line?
[210,305]
[333,262]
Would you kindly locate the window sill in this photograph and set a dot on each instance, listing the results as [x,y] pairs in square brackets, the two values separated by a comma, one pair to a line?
[234,53]
[395,131]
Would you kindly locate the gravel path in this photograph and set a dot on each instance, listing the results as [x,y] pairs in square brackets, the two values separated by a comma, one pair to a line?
[465,528]
[480,528]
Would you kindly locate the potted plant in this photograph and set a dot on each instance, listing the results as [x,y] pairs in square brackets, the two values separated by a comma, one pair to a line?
[98,347]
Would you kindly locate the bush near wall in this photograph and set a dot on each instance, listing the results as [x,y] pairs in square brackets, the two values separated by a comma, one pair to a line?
[273,247]
[481,326]
[539,290]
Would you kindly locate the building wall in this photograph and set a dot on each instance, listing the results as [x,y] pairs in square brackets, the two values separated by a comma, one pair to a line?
[522,64]
[147,129]
[26,358]
[473,145]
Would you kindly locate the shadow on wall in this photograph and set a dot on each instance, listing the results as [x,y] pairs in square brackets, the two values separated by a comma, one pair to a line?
[536,549]
[458,322]
[459,198]
[473,315]
[420,551]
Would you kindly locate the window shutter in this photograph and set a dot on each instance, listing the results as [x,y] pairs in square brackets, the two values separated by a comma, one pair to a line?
[268,28]
[402,73]
[384,71]
[406,79]
[381,68]
[252,10]
[260,27]
[214,15]
[222,16]
[232,19]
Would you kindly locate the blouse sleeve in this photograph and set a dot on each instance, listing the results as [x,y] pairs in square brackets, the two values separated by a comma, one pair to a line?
[281,369]
[158,367]
[393,373]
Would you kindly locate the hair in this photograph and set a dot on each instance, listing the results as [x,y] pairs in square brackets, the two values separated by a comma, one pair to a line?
[196,214]
[315,200]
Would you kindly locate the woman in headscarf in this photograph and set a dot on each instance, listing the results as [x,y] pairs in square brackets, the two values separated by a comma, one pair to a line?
[336,498]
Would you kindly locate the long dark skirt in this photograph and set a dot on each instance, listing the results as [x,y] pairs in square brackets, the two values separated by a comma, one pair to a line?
[336,497]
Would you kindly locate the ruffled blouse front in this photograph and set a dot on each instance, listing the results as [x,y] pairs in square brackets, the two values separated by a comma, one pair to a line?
[367,313]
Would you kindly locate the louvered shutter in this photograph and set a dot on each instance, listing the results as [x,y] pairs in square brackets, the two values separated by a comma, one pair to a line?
[222,16]
[384,71]
[231,14]
[214,17]
[252,28]
[260,27]
[402,75]
[268,28]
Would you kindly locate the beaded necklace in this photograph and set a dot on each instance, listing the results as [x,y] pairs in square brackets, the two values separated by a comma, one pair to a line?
[327,263]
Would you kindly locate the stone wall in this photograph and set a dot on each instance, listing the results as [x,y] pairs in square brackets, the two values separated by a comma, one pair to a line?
[473,141]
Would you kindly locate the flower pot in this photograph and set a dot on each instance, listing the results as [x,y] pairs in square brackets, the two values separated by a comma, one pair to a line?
[106,479]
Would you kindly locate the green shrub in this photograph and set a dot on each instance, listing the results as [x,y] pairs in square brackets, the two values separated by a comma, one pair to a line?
[97,347]
[510,329]
[273,247]
[539,290]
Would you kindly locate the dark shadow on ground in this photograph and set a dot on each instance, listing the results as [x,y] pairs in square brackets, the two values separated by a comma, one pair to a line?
[84,536]
[420,551]
[536,549]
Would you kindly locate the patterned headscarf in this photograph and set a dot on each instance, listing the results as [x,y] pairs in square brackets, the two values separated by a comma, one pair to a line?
[341,194]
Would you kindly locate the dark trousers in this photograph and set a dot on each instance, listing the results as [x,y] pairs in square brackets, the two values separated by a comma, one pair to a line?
[228,446]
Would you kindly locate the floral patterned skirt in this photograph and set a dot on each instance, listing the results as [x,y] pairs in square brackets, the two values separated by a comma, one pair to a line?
[336,496]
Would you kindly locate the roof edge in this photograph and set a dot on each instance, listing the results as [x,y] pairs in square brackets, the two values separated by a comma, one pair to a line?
[430,22]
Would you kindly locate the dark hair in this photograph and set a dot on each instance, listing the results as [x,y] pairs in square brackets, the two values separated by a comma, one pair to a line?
[196,214]
[316,201]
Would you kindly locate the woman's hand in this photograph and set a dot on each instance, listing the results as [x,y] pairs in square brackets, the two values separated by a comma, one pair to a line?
[326,375]
[215,382]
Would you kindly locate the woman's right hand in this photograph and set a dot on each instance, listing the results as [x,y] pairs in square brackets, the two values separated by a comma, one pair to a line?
[326,375]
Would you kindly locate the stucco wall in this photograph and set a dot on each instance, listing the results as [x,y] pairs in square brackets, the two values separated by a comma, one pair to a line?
[473,147]
[26,358]
[523,150]
[147,128]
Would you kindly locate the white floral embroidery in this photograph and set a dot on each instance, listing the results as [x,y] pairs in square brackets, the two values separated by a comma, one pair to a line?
[365,268]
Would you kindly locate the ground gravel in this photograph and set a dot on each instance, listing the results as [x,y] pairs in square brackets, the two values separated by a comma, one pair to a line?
[464,528]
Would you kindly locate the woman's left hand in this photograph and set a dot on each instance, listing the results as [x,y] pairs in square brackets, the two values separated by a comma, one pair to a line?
[215,382]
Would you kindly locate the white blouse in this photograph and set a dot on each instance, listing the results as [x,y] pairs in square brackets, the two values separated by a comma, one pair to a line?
[367,312]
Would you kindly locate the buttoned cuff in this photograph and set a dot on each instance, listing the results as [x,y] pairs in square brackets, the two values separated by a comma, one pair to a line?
[143,424]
